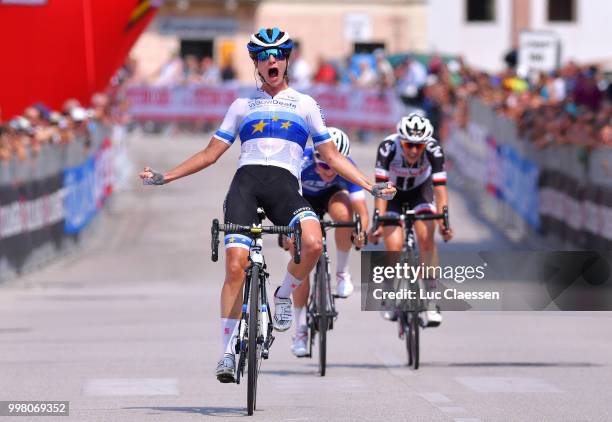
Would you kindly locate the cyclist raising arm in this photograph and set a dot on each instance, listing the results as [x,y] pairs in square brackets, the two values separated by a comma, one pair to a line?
[273,126]
[414,162]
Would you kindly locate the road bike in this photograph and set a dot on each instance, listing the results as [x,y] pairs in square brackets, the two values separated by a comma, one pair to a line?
[408,311]
[321,311]
[255,327]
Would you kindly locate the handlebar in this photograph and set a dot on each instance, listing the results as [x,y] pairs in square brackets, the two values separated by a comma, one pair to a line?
[355,224]
[256,230]
[412,216]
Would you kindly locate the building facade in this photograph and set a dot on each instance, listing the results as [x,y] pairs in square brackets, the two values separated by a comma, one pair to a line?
[483,31]
[329,29]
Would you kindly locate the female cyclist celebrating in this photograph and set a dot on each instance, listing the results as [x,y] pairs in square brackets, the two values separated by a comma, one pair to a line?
[273,125]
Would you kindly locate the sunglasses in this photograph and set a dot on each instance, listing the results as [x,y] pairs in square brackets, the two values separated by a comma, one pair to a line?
[410,145]
[320,162]
[274,52]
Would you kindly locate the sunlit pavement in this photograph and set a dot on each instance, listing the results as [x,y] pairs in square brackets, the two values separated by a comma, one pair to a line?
[128,329]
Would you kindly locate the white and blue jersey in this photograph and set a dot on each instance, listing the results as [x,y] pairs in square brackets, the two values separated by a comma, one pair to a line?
[314,185]
[274,131]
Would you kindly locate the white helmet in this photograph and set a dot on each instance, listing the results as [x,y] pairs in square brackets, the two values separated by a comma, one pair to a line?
[415,128]
[341,140]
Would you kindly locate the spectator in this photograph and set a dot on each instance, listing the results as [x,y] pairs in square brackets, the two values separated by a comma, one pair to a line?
[326,73]
[299,71]
[412,76]
[172,72]
[366,78]
[384,70]
[210,72]
[228,73]
[511,57]
[435,64]
[586,91]
[191,70]
[5,146]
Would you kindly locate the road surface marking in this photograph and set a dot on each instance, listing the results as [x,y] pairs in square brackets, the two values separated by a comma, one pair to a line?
[451,409]
[435,398]
[395,365]
[507,385]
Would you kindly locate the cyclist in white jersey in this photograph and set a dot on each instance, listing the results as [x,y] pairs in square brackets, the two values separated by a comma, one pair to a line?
[413,161]
[273,127]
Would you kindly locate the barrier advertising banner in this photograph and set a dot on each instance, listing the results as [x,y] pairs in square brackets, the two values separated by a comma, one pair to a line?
[342,106]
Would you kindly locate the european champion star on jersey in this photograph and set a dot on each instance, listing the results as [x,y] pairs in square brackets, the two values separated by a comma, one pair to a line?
[274,131]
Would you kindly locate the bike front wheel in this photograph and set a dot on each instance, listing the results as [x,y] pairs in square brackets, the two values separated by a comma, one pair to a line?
[414,340]
[253,355]
[322,286]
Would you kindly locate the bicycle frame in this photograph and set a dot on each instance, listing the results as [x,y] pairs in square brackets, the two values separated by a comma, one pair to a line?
[255,327]
[321,310]
[407,311]
[256,258]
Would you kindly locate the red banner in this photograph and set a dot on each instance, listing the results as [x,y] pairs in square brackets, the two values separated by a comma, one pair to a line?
[61,49]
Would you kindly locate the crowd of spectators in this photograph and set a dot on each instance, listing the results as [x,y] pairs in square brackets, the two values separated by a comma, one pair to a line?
[572,105]
[192,70]
[24,136]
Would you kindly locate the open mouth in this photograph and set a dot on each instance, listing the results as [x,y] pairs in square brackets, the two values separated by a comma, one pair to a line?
[273,72]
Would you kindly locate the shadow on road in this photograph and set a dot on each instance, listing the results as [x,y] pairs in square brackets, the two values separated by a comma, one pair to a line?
[329,365]
[361,365]
[205,411]
[283,373]
[513,364]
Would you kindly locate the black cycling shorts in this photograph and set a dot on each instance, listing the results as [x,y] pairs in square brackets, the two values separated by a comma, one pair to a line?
[274,189]
[419,199]
[320,203]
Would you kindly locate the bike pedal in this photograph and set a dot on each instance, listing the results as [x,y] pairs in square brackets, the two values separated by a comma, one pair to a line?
[270,342]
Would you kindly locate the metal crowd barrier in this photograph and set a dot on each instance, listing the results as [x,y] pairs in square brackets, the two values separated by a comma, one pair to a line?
[561,193]
[35,200]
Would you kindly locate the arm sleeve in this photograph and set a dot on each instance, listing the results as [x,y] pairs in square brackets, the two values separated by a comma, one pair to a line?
[316,123]
[229,127]
[384,156]
[435,155]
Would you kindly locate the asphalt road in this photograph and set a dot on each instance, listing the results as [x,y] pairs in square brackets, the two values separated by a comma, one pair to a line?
[127,329]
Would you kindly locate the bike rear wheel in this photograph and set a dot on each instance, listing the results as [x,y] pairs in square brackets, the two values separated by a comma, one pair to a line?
[322,286]
[253,349]
[409,315]
[414,336]
[404,319]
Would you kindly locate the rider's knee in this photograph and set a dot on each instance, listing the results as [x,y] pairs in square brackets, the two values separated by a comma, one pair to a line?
[312,246]
[426,244]
[342,214]
[234,271]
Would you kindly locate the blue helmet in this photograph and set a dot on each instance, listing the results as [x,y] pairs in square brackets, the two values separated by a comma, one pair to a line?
[270,38]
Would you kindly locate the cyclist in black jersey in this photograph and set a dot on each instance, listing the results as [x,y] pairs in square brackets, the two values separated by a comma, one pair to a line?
[273,125]
[413,162]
